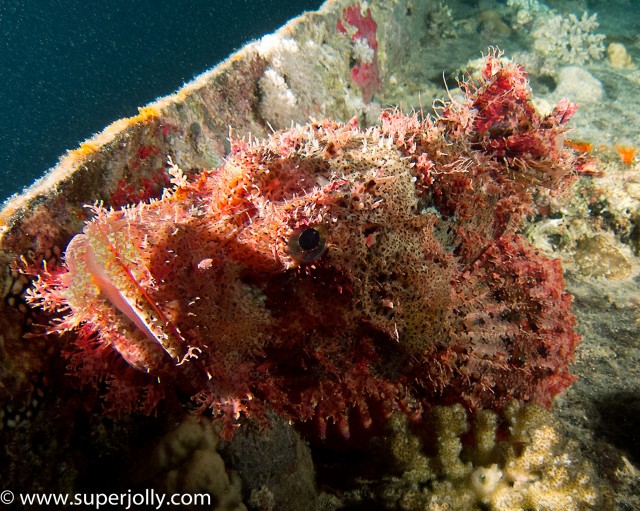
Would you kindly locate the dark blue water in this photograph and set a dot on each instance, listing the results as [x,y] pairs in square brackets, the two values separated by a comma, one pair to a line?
[70,67]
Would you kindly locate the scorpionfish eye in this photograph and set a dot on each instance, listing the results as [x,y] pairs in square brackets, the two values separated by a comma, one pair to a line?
[308,243]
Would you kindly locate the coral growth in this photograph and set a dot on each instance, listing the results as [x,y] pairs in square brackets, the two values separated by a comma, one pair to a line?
[186,461]
[334,275]
[558,38]
[361,26]
[472,468]
[525,11]
[568,39]
[285,92]
[618,57]
[275,466]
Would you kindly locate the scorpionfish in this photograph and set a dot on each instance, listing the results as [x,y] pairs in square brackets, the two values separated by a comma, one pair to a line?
[333,274]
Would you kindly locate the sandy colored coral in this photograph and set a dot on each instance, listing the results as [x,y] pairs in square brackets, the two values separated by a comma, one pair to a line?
[286,96]
[525,11]
[186,461]
[567,39]
[618,56]
[531,466]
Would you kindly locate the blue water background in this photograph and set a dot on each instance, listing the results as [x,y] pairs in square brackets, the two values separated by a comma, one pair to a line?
[68,68]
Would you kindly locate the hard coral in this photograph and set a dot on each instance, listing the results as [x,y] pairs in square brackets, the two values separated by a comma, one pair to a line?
[186,460]
[475,466]
[562,39]
[334,275]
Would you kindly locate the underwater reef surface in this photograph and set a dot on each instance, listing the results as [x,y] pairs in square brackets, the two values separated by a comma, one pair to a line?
[360,59]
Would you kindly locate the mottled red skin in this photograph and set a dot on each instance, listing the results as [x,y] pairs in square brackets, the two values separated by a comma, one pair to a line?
[425,293]
[128,193]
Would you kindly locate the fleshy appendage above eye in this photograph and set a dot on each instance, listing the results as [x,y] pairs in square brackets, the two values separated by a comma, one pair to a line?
[307,244]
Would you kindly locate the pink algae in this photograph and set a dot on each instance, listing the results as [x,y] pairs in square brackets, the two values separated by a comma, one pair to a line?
[363,28]
[332,274]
